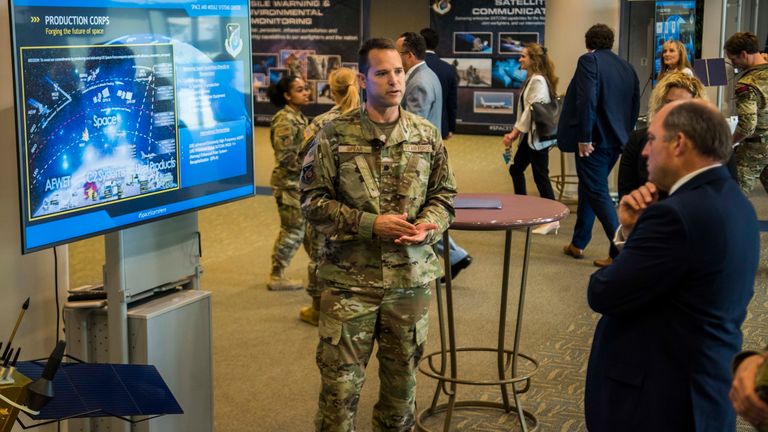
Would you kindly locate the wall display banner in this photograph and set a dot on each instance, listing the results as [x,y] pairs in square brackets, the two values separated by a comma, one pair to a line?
[675,20]
[309,38]
[483,39]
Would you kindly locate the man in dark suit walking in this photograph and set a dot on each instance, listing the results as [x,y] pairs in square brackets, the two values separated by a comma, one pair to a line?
[446,73]
[676,295]
[599,111]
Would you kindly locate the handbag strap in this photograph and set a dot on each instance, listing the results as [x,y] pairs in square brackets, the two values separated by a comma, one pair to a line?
[552,96]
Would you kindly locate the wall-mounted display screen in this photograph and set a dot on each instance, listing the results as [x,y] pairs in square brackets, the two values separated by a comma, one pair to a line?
[675,20]
[129,111]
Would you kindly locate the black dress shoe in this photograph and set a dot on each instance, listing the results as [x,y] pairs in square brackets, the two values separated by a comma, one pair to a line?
[459,266]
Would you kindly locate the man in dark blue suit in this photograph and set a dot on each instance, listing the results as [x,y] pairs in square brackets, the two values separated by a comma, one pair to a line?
[446,73]
[675,297]
[599,111]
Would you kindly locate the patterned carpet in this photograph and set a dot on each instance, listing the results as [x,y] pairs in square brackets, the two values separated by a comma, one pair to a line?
[557,395]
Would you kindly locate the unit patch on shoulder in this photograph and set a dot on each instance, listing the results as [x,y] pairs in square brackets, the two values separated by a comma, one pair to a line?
[308,173]
[742,89]
[283,130]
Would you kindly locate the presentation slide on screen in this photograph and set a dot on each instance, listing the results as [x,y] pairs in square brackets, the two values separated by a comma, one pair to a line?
[129,112]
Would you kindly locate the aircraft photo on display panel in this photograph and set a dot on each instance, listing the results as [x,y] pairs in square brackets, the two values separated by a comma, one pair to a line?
[494,103]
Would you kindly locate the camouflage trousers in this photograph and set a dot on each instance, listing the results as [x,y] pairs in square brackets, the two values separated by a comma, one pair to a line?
[314,244]
[351,319]
[292,232]
[751,162]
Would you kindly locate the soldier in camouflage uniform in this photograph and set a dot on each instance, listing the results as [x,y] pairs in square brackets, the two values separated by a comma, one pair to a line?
[751,135]
[287,135]
[345,92]
[378,184]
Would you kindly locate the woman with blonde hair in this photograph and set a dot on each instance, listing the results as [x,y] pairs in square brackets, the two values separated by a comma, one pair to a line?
[540,86]
[674,58]
[633,168]
[346,94]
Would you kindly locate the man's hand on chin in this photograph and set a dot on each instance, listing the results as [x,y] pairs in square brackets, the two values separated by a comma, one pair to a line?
[634,204]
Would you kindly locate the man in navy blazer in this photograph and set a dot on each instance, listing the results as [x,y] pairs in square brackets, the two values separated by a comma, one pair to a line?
[675,297]
[599,111]
[423,96]
[446,73]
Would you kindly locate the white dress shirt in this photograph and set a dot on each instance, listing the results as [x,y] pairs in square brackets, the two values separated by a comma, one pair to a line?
[619,239]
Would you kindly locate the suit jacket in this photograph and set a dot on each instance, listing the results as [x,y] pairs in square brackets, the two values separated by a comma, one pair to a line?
[601,104]
[449,83]
[633,167]
[673,302]
[423,95]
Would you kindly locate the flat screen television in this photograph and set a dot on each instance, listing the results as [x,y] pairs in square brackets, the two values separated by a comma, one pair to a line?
[128,111]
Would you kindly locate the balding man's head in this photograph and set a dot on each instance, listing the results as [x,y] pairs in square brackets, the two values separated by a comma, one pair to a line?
[683,137]
[703,124]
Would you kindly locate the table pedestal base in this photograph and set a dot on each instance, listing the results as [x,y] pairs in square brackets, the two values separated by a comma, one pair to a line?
[448,386]
[449,409]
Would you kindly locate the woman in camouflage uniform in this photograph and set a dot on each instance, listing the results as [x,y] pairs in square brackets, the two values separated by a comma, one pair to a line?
[287,134]
[346,94]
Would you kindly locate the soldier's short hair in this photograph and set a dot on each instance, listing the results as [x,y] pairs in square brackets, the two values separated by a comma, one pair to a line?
[368,46]
[431,38]
[704,125]
[276,91]
[414,43]
[742,41]
[599,36]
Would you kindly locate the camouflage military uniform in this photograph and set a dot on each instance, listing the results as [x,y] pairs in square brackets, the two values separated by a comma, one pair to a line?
[313,239]
[752,107]
[375,288]
[287,134]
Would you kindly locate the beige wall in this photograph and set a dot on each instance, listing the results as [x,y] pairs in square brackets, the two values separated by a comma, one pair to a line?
[391,18]
[566,23]
[21,276]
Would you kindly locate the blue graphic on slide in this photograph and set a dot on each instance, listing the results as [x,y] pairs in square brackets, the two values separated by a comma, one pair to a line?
[100,125]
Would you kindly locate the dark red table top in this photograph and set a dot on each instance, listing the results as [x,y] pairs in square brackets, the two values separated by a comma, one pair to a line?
[517,211]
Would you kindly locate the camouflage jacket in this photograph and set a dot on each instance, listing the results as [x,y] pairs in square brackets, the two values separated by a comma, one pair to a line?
[287,134]
[350,176]
[315,126]
[752,102]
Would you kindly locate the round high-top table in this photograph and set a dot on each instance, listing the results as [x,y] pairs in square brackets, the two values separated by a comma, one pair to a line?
[482,212]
